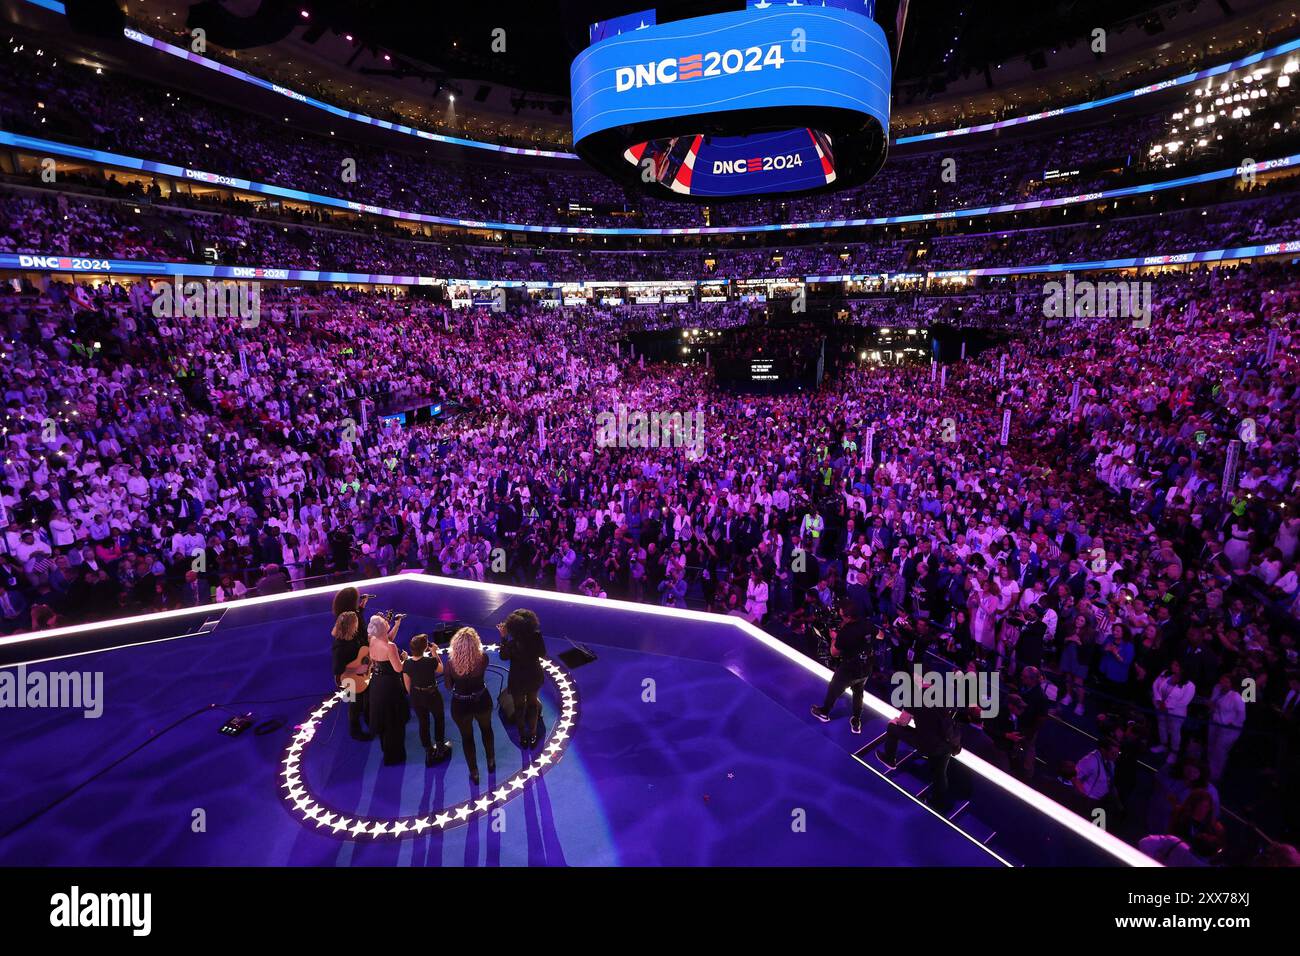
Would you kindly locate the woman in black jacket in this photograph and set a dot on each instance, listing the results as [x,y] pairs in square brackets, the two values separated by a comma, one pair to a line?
[470,701]
[522,646]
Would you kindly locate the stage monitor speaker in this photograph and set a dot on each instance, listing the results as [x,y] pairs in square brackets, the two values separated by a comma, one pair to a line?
[442,634]
[577,656]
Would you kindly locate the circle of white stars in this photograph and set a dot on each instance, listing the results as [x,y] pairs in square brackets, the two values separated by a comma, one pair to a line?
[303,805]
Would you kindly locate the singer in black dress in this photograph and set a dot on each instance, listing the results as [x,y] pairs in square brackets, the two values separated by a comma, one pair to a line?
[389,708]
[523,647]
[470,701]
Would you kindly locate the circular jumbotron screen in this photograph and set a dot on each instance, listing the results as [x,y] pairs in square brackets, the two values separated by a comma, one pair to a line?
[779,98]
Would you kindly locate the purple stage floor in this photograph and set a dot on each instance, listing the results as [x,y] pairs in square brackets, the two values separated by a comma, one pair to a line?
[723,766]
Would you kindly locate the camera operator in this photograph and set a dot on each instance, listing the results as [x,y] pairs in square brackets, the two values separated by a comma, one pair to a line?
[850,652]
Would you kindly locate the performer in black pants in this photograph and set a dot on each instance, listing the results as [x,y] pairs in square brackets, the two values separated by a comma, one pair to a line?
[936,736]
[352,670]
[470,701]
[850,652]
[523,647]
[421,675]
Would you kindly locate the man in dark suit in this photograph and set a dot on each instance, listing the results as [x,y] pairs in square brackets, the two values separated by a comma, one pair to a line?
[935,736]
[1056,575]
[1077,579]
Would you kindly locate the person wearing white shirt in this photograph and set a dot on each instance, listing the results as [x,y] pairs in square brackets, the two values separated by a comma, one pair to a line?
[857,560]
[1227,716]
[854,501]
[30,550]
[1095,772]
[1169,850]
[1288,583]
[681,524]
[756,597]
[1010,589]
[1049,623]
[1269,568]
[136,485]
[1029,597]
[62,532]
[1171,693]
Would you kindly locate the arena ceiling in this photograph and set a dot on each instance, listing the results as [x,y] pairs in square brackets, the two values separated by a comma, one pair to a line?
[542,36]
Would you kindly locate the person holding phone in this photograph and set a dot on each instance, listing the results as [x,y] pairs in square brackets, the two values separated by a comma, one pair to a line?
[523,647]
[420,672]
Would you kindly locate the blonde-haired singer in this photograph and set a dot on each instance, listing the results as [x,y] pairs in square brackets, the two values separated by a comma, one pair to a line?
[389,709]
[470,701]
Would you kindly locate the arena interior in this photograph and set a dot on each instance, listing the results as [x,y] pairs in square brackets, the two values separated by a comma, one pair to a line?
[868,441]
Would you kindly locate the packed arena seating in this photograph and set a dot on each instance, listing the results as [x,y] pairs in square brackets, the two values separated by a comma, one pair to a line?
[122,229]
[1104,519]
[301,371]
[161,461]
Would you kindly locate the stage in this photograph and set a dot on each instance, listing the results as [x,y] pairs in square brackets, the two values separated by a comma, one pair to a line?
[686,742]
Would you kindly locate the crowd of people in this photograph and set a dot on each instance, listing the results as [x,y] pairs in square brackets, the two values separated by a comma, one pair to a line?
[153,463]
[64,224]
[1104,513]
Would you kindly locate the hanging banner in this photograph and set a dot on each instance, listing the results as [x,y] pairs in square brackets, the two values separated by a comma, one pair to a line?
[1230,465]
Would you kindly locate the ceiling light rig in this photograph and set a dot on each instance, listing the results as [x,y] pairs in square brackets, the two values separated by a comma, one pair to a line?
[350,826]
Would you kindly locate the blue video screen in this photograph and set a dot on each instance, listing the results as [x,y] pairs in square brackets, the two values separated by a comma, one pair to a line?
[768,57]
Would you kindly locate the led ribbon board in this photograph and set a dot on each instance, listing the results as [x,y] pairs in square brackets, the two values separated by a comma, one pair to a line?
[46,147]
[57,262]
[778,98]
